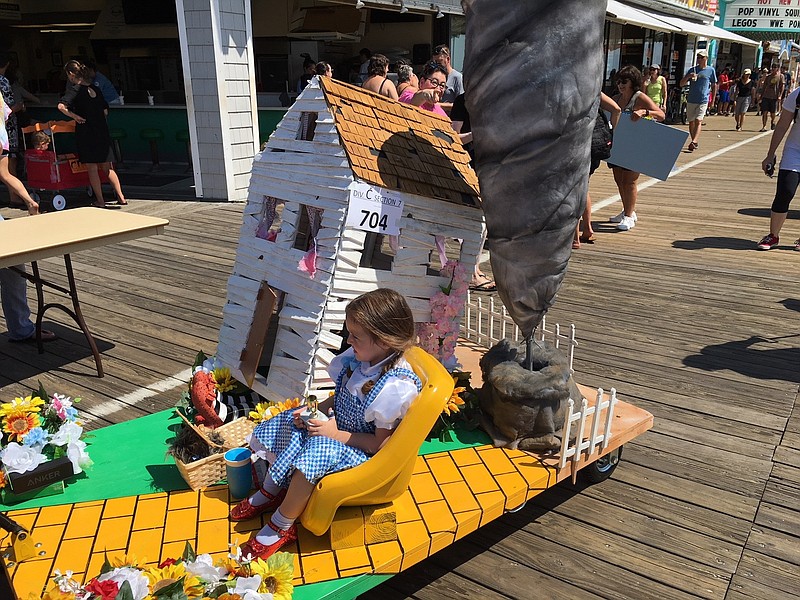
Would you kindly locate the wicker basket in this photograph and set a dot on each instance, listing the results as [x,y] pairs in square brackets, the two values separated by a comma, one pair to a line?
[211,469]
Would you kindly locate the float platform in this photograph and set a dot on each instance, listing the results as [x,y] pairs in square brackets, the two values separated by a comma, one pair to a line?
[136,503]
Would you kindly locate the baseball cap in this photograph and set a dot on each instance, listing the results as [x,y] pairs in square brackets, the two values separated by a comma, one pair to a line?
[656,66]
[702,53]
[747,72]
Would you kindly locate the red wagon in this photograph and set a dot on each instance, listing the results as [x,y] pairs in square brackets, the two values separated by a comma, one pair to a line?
[52,172]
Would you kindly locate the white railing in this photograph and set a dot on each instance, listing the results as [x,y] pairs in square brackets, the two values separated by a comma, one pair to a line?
[486,322]
[594,442]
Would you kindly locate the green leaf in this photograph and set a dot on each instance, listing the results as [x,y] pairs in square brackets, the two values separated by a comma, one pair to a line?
[106,565]
[42,393]
[189,554]
[218,591]
[199,359]
[173,591]
[125,592]
[446,435]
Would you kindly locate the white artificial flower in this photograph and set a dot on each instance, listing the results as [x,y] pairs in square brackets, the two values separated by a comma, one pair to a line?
[76,452]
[209,364]
[21,459]
[247,588]
[137,580]
[68,432]
[66,583]
[203,567]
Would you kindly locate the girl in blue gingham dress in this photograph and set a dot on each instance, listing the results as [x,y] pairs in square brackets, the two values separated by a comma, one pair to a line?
[374,388]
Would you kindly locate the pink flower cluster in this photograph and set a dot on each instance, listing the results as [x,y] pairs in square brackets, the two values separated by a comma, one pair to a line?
[439,336]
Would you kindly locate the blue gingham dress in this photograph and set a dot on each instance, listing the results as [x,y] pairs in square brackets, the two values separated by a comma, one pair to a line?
[317,456]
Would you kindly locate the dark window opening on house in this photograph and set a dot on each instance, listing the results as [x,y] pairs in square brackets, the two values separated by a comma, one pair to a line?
[308,125]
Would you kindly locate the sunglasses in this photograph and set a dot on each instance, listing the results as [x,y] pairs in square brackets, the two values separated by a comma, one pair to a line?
[441,85]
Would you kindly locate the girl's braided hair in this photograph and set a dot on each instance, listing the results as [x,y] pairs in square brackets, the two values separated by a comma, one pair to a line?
[386,316]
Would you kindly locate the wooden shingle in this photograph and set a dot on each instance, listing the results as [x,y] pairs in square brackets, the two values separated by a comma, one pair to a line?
[399,146]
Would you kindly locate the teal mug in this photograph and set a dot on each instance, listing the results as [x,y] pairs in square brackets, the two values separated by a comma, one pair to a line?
[239,472]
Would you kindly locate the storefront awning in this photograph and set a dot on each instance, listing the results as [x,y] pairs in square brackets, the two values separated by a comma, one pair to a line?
[622,13]
[709,31]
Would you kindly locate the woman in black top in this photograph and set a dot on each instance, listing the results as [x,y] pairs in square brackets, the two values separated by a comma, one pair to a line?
[85,104]
[745,95]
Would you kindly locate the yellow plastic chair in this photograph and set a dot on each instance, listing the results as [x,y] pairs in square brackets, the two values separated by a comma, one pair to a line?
[386,475]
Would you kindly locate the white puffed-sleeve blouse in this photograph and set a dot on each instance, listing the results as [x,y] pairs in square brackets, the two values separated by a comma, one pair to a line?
[391,403]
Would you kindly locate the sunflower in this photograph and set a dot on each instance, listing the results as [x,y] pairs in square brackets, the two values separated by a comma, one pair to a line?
[56,594]
[276,573]
[264,411]
[19,422]
[261,412]
[125,560]
[454,402]
[3,482]
[28,404]
[161,577]
[223,380]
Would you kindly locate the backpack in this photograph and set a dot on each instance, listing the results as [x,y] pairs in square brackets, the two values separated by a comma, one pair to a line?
[601,137]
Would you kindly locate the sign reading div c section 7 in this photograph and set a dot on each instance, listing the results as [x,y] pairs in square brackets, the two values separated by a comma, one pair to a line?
[780,16]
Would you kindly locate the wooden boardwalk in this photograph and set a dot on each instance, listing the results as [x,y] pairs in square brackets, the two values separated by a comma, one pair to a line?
[681,315]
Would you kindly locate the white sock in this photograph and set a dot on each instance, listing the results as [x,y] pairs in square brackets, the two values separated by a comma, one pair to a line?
[268,486]
[268,535]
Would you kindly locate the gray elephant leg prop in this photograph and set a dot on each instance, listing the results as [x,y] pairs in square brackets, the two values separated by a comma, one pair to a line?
[533,71]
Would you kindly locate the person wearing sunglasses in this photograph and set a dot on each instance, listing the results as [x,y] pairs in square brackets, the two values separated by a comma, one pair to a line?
[656,87]
[455,81]
[638,105]
[432,85]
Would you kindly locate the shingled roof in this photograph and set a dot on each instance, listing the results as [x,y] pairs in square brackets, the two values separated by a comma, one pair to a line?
[401,147]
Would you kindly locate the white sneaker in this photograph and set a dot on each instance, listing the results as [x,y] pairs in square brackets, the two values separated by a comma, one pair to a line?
[627,223]
[618,218]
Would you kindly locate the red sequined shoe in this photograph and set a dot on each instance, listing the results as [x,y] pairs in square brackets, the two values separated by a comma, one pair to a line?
[244,510]
[256,549]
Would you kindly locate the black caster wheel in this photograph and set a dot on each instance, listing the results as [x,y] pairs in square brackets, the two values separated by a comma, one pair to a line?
[603,467]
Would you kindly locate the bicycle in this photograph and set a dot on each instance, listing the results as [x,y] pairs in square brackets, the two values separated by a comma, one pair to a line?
[676,104]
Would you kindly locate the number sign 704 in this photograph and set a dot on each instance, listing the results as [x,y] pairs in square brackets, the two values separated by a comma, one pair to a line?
[373,220]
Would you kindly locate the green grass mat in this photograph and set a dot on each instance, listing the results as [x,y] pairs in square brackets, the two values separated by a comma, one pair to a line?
[130,459]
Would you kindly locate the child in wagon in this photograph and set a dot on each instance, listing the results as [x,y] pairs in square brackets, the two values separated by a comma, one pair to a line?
[374,388]
[40,142]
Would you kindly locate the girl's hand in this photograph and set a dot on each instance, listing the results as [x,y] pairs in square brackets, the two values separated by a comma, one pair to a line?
[324,428]
[298,422]
[638,114]
[79,119]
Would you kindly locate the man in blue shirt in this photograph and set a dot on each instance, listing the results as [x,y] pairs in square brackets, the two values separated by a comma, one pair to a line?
[102,83]
[701,79]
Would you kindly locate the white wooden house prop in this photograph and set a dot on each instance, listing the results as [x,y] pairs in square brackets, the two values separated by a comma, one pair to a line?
[337,137]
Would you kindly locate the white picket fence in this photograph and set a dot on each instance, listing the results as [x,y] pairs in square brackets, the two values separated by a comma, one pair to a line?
[596,441]
[486,322]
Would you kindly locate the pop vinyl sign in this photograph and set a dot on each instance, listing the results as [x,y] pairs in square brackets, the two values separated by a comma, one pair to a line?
[374,209]
[779,16]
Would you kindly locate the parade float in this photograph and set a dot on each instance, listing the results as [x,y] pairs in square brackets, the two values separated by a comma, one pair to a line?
[352,192]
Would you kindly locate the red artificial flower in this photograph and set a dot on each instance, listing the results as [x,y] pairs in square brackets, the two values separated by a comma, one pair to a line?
[167,563]
[104,590]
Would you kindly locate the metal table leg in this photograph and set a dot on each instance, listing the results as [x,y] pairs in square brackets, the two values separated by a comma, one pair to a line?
[75,312]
